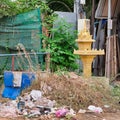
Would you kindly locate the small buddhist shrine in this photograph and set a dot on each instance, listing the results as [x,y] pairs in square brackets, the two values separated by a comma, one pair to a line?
[85,52]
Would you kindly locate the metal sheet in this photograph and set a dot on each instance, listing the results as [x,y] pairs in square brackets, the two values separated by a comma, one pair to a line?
[69,17]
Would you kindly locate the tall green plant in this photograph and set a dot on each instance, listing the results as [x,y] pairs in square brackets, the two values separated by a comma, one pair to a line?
[10,8]
[61,46]
[7,8]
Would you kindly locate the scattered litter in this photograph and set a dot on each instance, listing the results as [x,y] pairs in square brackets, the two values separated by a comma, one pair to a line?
[7,111]
[106,106]
[82,111]
[95,109]
[36,94]
[71,112]
[34,113]
[44,110]
[61,112]
[21,105]
[51,103]
[29,104]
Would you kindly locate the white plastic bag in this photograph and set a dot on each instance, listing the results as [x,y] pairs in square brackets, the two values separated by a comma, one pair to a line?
[95,109]
[36,94]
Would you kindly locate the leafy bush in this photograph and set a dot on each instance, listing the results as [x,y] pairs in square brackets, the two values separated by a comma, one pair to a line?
[61,45]
[10,8]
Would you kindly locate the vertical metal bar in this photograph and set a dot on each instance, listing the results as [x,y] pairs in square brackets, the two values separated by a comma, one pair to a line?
[109,18]
[109,34]
[92,18]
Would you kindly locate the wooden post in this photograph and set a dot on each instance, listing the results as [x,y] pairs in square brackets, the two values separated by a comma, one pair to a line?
[13,59]
[47,60]
[47,57]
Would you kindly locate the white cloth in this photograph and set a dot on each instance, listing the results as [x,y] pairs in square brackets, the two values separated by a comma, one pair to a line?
[17,79]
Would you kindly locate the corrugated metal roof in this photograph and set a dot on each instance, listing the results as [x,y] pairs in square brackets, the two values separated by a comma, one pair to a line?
[102,9]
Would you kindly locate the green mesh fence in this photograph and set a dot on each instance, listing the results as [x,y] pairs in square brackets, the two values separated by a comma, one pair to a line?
[23,28]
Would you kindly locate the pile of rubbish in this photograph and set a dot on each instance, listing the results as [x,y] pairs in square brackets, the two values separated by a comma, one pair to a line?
[33,104]
[70,90]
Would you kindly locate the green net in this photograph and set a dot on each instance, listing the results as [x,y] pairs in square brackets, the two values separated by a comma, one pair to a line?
[24,29]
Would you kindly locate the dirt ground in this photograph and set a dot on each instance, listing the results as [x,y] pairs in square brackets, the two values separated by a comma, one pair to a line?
[105,116]
[86,116]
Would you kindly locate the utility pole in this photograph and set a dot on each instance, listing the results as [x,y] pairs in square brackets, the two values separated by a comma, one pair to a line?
[78,8]
[92,18]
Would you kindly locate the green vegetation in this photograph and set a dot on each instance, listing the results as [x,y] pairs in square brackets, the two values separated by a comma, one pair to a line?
[61,5]
[62,42]
[9,8]
[116,92]
[61,45]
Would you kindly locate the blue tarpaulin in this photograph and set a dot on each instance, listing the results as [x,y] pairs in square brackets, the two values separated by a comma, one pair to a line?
[12,92]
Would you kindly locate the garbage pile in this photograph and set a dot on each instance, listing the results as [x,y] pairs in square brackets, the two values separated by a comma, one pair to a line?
[31,104]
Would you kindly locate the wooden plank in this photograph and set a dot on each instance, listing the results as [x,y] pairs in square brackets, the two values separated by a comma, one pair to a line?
[117,9]
[96,46]
[106,61]
[118,53]
[113,8]
[111,56]
[102,9]
[102,57]
[108,57]
[105,9]
[115,55]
